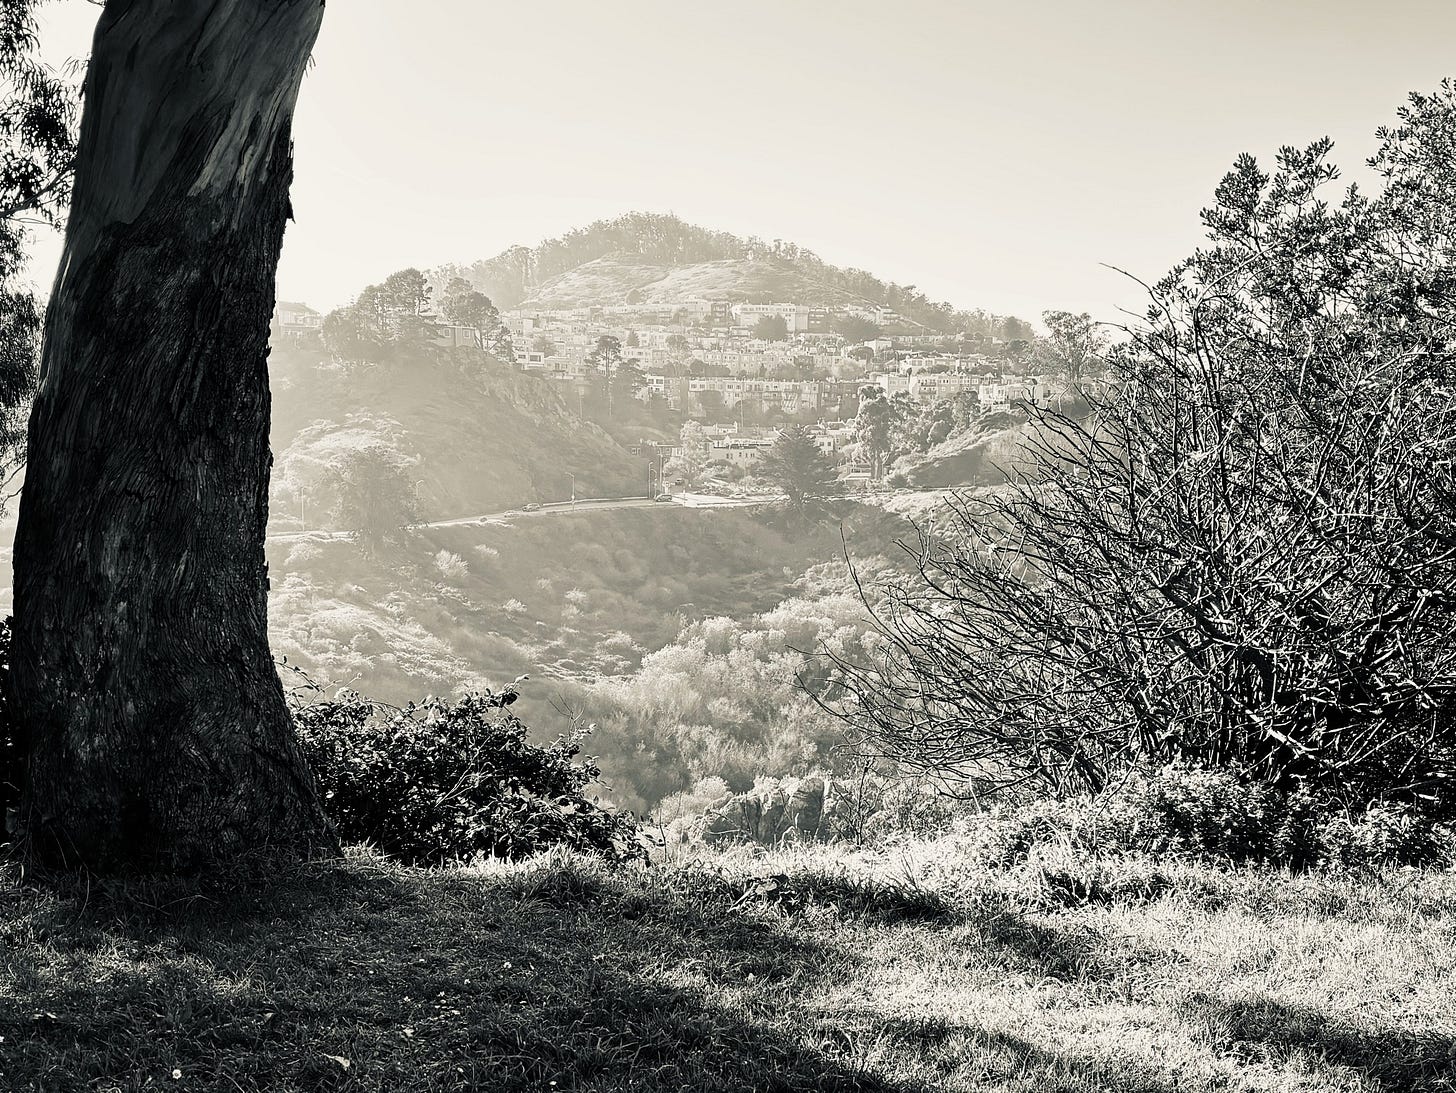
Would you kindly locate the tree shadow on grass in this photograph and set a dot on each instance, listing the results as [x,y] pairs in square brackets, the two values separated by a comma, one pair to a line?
[365,977]
[1071,954]
[1400,1061]
[972,1056]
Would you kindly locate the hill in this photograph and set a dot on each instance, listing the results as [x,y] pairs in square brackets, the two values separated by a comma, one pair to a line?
[666,255]
[741,280]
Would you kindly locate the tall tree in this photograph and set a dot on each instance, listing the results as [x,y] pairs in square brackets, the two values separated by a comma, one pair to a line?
[1075,346]
[877,425]
[150,719]
[606,358]
[796,465]
[1244,556]
[374,494]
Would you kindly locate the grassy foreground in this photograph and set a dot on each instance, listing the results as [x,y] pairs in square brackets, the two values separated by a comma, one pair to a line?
[819,970]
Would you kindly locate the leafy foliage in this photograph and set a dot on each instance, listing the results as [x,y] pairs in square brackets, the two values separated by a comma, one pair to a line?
[464,305]
[1074,346]
[375,494]
[878,425]
[397,311]
[442,781]
[771,328]
[854,329]
[1197,814]
[37,152]
[730,699]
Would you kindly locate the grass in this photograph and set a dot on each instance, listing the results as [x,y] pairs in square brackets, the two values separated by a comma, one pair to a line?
[800,970]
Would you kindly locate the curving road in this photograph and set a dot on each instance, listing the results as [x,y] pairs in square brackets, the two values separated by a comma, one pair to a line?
[554,508]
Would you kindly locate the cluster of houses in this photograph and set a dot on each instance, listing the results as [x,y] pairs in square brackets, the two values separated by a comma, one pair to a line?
[700,353]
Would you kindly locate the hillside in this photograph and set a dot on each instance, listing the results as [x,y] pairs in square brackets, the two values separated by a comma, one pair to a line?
[482,436]
[581,601]
[663,254]
[742,280]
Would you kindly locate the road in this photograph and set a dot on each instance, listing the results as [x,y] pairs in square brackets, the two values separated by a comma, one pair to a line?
[554,508]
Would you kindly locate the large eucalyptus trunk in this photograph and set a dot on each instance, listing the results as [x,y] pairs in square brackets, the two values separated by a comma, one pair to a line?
[151,721]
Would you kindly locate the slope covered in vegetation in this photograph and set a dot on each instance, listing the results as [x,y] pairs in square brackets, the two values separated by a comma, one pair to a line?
[481,436]
[604,609]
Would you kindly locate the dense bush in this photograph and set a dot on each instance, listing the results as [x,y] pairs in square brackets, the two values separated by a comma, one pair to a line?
[442,781]
[1211,816]
[1243,558]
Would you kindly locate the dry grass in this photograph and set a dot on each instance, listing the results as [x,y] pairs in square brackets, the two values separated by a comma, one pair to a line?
[828,970]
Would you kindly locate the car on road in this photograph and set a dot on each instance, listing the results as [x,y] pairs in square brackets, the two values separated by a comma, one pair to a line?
[663,497]
[532,507]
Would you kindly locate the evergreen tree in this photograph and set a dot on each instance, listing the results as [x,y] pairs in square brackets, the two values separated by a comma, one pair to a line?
[796,466]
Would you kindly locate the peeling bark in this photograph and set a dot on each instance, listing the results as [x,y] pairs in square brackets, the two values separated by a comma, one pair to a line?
[150,717]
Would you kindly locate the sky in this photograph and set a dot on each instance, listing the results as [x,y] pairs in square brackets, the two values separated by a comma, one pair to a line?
[994,154]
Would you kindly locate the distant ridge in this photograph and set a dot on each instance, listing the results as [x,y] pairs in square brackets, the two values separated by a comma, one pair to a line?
[664,259]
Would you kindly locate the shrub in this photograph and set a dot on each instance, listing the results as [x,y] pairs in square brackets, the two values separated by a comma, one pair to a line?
[1206,815]
[1384,835]
[1212,814]
[450,565]
[442,781]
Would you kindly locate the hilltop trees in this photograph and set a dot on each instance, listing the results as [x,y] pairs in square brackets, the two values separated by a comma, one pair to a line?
[797,467]
[464,305]
[1245,557]
[400,311]
[150,726]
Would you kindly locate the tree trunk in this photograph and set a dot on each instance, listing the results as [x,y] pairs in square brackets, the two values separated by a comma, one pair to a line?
[150,717]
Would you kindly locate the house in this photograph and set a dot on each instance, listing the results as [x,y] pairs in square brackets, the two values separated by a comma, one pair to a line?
[453,337]
[295,320]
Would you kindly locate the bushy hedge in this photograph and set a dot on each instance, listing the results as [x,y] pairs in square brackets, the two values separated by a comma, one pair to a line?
[445,781]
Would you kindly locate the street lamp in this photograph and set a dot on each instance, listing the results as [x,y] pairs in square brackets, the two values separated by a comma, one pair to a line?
[573,486]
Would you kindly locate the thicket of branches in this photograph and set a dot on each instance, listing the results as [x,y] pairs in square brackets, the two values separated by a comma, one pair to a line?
[1246,556]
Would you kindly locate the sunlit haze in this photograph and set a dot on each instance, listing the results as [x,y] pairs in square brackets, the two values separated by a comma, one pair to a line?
[994,155]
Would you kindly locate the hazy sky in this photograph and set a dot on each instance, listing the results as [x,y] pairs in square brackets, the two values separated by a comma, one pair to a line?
[994,154]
